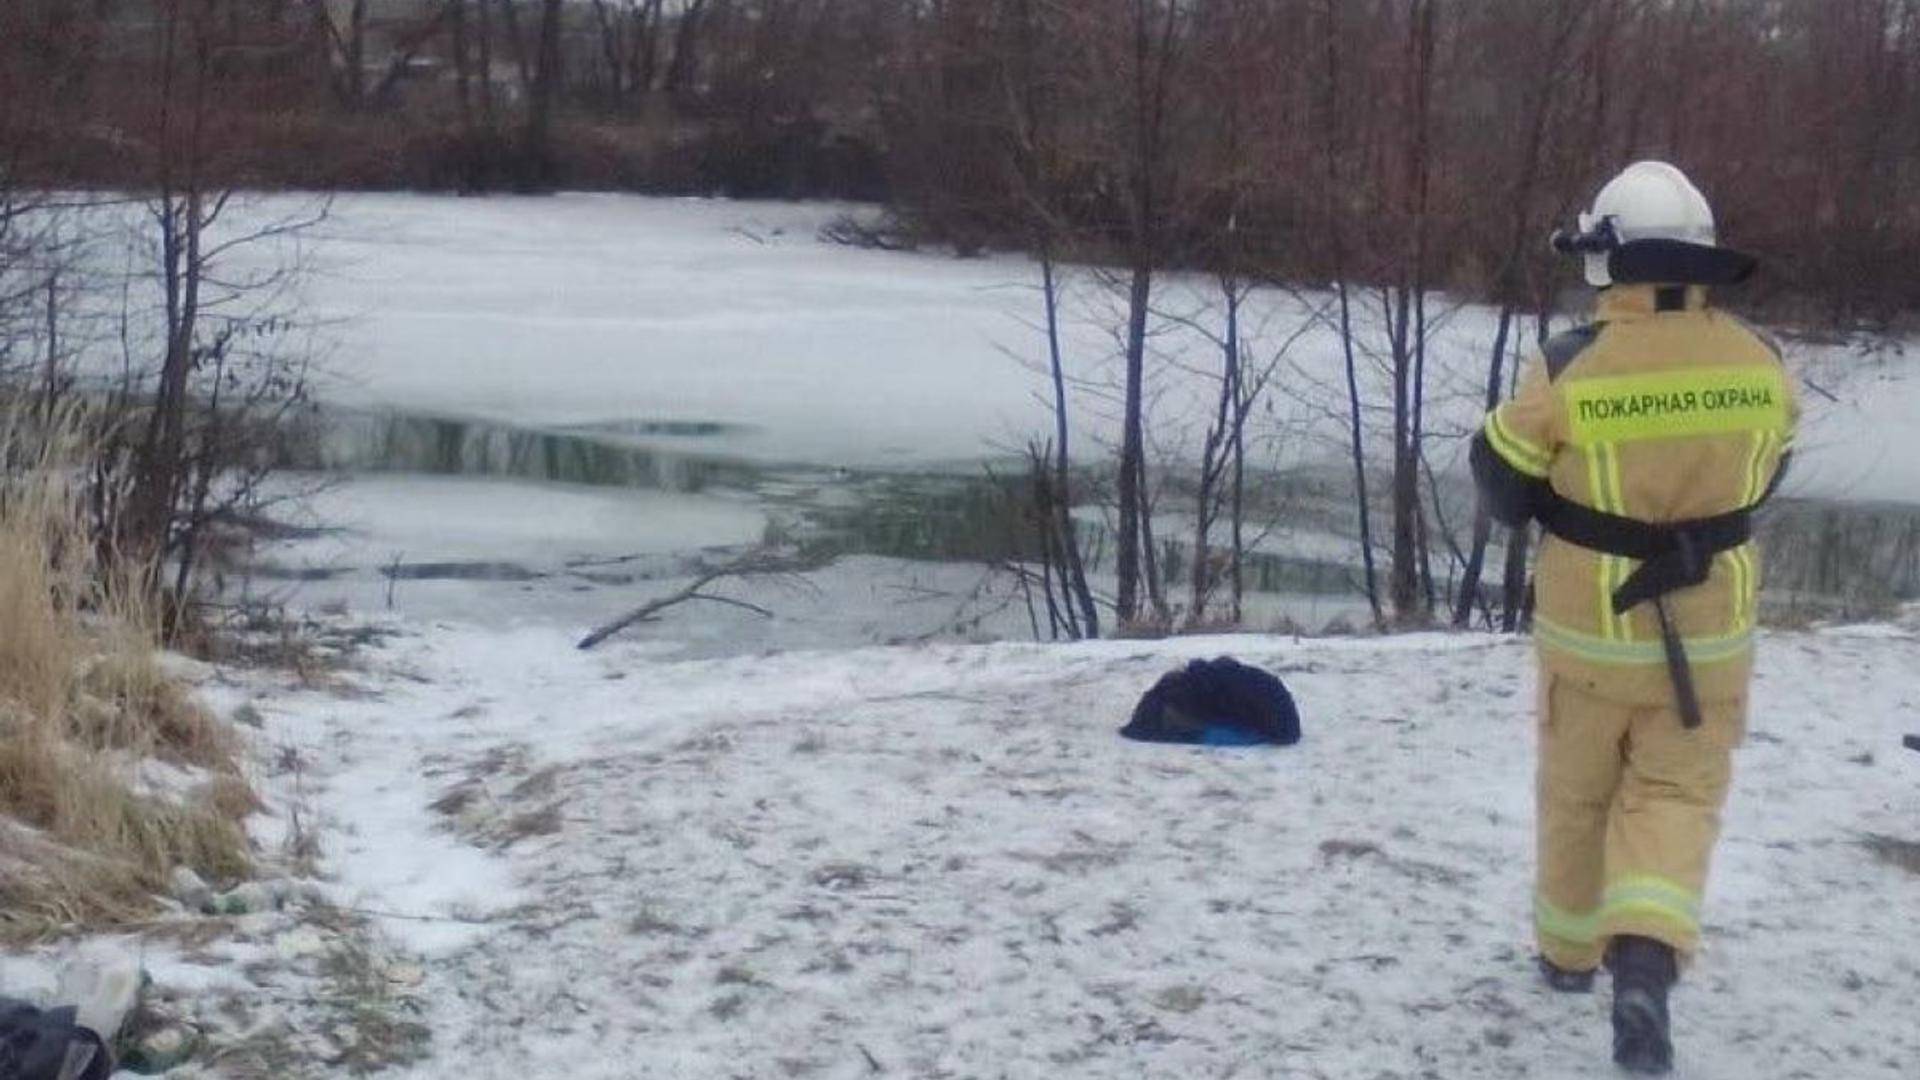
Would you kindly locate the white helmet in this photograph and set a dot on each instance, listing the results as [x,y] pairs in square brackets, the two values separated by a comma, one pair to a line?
[1649,200]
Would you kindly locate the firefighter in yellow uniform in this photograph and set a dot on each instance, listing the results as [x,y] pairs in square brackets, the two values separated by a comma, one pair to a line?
[1642,443]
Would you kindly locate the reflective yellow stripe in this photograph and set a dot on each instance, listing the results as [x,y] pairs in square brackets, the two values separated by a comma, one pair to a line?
[1746,581]
[1620,910]
[1746,584]
[1616,489]
[1645,894]
[1596,484]
[1603,582]
[1603,477]
[1736,568]
[1754,446]
[1597,496]
[1655,885]
[1524,456]
[1560,923]
[1622,569]
[1769,460]
[1673,404]
[1600,650]
[1759,467]
[1605,497]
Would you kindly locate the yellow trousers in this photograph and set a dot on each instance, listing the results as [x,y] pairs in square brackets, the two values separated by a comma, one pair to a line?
[1629,807]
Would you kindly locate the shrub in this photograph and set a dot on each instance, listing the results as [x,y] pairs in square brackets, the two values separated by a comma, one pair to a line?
[90,828]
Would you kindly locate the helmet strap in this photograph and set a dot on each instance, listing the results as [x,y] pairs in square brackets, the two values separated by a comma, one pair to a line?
[1676,262]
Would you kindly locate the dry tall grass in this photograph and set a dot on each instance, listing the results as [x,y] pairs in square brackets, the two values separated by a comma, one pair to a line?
[84,705]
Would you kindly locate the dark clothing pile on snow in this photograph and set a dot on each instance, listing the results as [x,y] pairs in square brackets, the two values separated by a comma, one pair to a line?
[1216,703]
[34,1043]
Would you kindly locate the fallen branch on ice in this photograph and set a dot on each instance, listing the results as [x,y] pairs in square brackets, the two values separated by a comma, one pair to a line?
[753,564]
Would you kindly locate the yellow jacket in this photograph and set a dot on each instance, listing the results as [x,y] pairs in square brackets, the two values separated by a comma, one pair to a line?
[1662,410]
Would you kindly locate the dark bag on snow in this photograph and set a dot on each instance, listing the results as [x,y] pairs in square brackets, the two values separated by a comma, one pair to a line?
[1216,703]
[34,1043]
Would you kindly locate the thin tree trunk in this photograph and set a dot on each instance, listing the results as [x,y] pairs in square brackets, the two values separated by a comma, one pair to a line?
[1410,583]
[1518,597]
[1029,122]
[1132,449]
[646,64]
[1040,484]
[1150,554]
[612,49]
[462,65]
[681,64]
[1241,408]
[1416,448]
[1216,459]
[1405,584]
[1546,92]
[485,9]
[536,150]
[1150,77]
[1335,220]
[357,57]
[1074,569]
[517,41]
[1483,521]
[52,390]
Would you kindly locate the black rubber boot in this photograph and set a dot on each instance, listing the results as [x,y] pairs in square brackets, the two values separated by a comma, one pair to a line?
[1643,971]
[1565,980]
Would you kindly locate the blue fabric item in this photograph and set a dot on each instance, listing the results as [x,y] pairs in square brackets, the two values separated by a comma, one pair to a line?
[1228,735]
[1218,702]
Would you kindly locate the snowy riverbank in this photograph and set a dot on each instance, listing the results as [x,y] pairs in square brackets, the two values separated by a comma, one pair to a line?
[740,846]
[940,861]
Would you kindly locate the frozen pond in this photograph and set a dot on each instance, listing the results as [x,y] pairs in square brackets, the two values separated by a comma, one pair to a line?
[521,387]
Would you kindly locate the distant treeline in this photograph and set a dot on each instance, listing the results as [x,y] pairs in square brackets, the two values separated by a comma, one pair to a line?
[1379,140]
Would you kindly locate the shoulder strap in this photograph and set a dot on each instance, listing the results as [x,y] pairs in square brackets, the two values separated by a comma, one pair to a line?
[1561,349]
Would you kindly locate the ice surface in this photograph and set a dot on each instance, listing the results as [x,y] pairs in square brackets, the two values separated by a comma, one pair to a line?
[421,519]
[606,309]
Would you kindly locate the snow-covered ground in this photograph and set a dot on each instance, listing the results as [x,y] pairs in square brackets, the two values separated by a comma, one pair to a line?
[941,861]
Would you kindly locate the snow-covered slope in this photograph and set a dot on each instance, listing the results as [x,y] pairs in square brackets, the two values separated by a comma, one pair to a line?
[941,862]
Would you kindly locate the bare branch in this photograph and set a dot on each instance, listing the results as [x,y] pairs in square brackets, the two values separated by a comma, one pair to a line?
[760,562]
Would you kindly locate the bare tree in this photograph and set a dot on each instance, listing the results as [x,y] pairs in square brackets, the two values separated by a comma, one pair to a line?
[630,32]
[1412,577]
[1220,488]
[1035,163]
[348,35]
[224,377]
[1545,84]
[682,58]
[543,75]
[1146,65]
[1335,215]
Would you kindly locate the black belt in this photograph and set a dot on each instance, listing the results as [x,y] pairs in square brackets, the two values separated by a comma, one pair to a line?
[1672,556]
